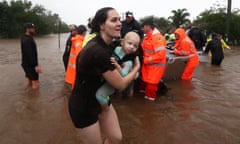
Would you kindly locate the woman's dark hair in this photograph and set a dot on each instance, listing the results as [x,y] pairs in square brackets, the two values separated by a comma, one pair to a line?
[99,18]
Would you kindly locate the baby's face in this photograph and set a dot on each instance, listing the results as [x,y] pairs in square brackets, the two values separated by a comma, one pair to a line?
[130,43]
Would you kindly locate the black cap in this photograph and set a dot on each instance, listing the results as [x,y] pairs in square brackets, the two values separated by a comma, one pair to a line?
[81,29]
[149,22]
[28,25]
[129,14]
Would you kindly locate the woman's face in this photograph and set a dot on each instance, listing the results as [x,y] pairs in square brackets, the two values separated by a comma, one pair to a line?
[112,26]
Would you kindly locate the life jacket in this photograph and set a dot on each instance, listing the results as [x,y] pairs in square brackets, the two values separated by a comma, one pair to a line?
[76,48]
[154,57]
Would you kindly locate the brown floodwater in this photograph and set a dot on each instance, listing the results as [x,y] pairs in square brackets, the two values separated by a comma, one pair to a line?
[203,111]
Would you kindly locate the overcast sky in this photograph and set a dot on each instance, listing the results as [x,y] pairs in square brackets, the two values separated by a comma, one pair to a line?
[78,11]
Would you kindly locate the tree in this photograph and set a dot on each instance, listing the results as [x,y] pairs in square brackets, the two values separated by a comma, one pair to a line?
[180,17]
[15,13]
[161,23]
[3,18]
[215,20]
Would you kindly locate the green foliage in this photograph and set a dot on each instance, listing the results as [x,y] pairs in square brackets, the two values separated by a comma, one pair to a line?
[234,29]
[179,17]
[212,20]
[3,18]
[15,13]
[215,20]
[162,23]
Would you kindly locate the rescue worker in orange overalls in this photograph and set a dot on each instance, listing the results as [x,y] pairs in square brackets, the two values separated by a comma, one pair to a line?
[77,42]
[66,53]
[154,59]
[185,47]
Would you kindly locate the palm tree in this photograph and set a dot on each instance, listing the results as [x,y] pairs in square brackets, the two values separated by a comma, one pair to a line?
[179,17]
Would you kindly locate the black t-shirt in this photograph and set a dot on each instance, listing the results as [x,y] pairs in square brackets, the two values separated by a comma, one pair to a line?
[92,62]
[29,51]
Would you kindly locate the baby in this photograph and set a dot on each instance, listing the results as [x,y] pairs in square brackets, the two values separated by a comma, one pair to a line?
[123,60]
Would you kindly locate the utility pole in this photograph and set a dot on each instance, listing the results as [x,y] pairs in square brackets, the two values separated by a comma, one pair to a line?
[59,31]
[229,18]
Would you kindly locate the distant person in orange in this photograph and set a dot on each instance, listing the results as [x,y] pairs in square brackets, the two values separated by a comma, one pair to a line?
[185,47]
[30,56]
[66,53]
[154,59]
[77,42]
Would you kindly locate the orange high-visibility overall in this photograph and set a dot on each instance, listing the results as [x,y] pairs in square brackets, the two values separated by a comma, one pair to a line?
[76,48]
[185,47]
[154,61]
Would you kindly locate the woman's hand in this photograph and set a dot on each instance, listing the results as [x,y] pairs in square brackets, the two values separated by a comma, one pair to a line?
[115,63]
[137,63]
